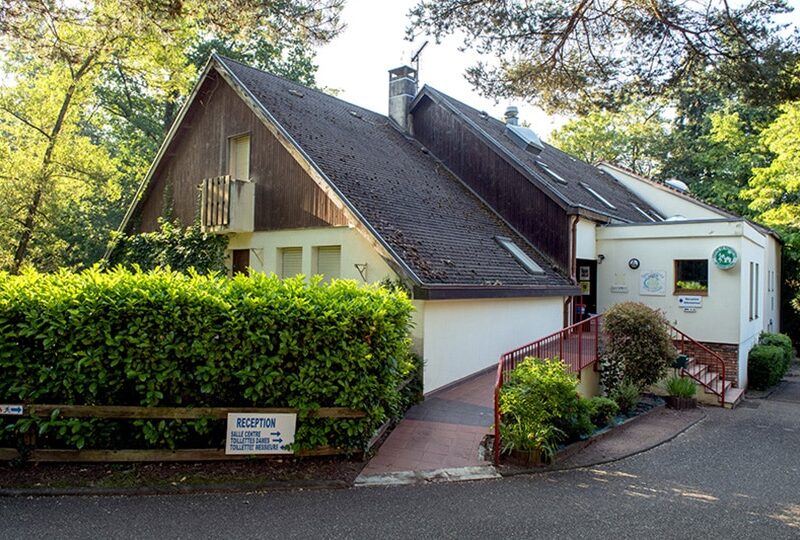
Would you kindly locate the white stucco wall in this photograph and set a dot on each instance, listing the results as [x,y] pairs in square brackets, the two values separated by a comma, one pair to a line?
[585,239]
[666,201]
[265,245]
[657,247]
[465,336]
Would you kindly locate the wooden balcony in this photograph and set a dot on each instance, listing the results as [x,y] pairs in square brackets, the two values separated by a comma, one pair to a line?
[227,205]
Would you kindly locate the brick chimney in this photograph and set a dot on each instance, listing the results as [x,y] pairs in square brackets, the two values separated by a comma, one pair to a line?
[402,90]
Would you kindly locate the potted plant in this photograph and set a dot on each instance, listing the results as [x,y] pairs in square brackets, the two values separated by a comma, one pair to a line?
[681,393]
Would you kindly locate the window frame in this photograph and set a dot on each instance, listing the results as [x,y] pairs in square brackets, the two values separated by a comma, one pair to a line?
[678,291]
[231,157]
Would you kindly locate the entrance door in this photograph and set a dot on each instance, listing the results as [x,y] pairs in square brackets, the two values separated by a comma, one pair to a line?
[240,261]
[587,279]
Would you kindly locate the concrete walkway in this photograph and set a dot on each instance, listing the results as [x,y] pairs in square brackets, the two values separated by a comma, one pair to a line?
[442,432]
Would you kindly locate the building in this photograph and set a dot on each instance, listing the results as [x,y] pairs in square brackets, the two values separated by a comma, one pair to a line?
[499,236]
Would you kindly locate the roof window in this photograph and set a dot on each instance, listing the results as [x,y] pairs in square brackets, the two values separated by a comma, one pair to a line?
[598,196]
[652,216]
[552,174]
[525,138]
[522,258]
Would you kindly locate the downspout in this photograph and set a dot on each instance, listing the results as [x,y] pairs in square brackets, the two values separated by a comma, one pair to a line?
[573,266]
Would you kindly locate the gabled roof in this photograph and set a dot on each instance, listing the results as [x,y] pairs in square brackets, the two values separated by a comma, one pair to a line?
[438,232]
[583,181]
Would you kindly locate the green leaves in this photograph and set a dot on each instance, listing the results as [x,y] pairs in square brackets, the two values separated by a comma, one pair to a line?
[168,339]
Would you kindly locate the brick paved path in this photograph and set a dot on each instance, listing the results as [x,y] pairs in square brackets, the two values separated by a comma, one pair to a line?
[443,431]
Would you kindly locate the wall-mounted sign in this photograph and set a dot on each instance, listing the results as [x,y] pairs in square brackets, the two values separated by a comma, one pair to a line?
[586,287]
[690,301]
[619,289]
[584,273]
[256,433]
[653,284]
[725,257]
[15,410]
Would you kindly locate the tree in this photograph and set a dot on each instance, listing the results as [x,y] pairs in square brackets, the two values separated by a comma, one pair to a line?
[58,52]
[632,138]
[576,56]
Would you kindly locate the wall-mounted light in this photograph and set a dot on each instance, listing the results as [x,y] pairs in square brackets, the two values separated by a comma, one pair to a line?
[601,258]
[633,264]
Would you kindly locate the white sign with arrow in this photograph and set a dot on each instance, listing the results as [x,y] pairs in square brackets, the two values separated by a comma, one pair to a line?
[15,410]
[256,433]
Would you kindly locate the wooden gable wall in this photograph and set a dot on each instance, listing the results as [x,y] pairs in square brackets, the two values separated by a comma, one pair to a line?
[285,196]
[527,208]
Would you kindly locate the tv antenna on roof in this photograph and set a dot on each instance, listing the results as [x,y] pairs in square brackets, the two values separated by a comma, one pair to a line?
[415,58]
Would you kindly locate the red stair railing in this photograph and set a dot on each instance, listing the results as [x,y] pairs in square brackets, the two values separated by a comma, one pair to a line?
[577,346]
[709,358]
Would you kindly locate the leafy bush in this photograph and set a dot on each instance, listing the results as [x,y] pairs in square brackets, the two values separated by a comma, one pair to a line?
[680,387]
[626,396]
[612,372]
[578,425]
[637,338]
[169,339]
[765,366]
[602,410]
[779,340]
[172,246]
[539,396]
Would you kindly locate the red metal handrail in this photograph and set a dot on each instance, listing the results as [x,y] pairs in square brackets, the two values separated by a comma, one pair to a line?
[716,358]
[577,346]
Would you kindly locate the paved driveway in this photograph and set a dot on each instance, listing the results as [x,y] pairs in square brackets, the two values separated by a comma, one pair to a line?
[734,475]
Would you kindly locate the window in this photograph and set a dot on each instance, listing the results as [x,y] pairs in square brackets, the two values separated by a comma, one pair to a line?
[546,168]
[521,257]
[329,262]
[598,196]
[754,293]
[239,162]
[691,276]
[291,259]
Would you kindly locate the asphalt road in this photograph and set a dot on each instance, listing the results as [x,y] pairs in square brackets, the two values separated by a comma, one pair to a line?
[734,475]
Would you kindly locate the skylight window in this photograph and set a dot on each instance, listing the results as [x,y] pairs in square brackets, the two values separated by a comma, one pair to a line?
[598,196]
[552,174]
[645,214]
[525,138]
[522,258]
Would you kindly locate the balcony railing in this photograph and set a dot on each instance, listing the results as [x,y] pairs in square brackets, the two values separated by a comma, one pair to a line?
[227,204]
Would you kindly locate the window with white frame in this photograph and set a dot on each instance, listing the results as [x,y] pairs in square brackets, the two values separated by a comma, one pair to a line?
[754,291]
[239,157]
[329,262]
[291,261]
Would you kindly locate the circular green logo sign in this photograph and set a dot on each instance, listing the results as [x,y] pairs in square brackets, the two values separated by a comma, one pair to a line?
[725,257]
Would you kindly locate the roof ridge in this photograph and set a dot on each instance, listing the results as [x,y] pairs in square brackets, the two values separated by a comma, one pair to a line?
[299,85]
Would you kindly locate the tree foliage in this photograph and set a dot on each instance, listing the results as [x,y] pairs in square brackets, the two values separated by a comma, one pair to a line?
[89,87]
[579,55]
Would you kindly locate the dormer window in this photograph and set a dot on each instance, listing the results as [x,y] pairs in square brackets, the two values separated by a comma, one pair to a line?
[522,258]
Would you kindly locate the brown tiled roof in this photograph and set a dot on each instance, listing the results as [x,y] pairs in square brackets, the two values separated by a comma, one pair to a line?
[441,231]
[573,170]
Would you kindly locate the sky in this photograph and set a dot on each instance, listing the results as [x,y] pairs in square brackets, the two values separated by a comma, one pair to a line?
[357,62]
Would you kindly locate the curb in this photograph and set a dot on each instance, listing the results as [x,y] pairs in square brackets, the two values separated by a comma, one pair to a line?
[174,490]
[556,468]
[455,474]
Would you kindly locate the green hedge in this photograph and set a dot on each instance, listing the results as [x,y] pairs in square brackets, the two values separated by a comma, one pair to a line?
[169,339]
[769,360]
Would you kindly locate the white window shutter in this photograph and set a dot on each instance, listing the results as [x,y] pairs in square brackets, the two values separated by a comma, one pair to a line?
[329,262]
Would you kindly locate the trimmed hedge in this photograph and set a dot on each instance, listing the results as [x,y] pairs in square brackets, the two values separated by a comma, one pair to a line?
[769,360]
[168,339]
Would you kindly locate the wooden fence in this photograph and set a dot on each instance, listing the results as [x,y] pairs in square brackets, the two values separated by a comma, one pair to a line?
[119,412]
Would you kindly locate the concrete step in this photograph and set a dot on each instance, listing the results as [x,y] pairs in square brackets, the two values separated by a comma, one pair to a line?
[732,397]
[716,386]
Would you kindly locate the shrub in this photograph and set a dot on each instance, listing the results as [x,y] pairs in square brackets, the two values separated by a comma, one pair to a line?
[637,338]
[779,340]
[602,410]
[169,339]
[765,366]
[626,396]
[539,396]
[680,387]
[172,246]
[578,425]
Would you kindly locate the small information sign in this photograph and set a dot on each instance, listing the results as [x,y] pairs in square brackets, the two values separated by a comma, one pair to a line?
[690,301]
[15,410]
[257,433]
